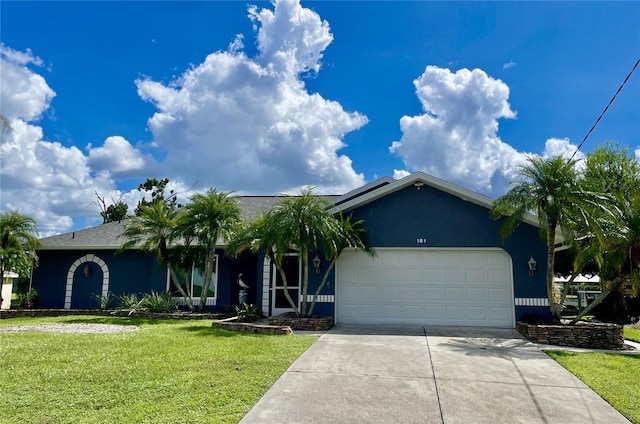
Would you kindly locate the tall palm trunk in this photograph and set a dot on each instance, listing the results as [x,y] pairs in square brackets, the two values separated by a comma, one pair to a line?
[305,282]
[208,272]
[612,285]
[556,309]
[164,252]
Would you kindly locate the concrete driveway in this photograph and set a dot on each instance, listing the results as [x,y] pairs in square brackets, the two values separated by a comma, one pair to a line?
[384,374]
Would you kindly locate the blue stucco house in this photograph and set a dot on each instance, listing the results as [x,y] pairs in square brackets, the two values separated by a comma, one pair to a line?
[439,261]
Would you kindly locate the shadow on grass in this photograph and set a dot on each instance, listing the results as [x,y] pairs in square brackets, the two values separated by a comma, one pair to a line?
[123,320]
[217,332]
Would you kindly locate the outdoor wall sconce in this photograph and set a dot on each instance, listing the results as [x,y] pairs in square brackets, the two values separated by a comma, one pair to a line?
[316,264]
[532,266]
[87,271]
[418,184]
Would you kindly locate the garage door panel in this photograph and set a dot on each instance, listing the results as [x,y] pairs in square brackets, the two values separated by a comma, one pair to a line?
[454,294]
[456,313]
[369,294]
[479,314]
[476,277]
[455,276]
[432,259]
[453,259]
[499,295]
[497,275]
[434,293]
[425,286]
[432,275]
[477,295]
[409,312]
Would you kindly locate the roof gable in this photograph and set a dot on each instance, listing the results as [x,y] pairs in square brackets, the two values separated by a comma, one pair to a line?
[419,179]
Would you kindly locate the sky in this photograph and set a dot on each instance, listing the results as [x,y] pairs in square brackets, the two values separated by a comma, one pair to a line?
[264,98]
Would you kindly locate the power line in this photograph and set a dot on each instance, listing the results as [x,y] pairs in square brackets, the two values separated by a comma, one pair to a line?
[605,109]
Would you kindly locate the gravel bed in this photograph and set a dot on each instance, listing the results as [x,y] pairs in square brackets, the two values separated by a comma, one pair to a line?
[73,328]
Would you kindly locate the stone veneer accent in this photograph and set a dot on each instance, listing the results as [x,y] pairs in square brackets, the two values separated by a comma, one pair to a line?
[314,323]
[585,335]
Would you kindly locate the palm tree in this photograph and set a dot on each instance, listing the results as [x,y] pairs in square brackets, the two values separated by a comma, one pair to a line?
[264,233]
[18,242]
[548,188]
[346,234]
[617,253]
[154,230]
[304,223]
[207,217]
[616,248]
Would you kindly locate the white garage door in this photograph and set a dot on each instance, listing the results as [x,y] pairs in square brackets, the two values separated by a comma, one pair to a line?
[426,286]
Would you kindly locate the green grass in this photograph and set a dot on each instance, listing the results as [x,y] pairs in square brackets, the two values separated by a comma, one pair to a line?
[632,332]
[615,377]
[166,372]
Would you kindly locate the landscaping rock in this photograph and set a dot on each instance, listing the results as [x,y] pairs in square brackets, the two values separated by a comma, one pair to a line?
[584,335]
[315,323]
[245,327]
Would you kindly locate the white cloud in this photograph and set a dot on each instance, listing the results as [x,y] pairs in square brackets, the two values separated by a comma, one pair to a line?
[23,93]
[398,174]
[48,181]
[561,147]
[637,153]
[118,157]
[509,64]
[456,137]
[248,124]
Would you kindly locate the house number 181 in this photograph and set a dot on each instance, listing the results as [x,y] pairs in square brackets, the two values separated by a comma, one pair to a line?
[421,240]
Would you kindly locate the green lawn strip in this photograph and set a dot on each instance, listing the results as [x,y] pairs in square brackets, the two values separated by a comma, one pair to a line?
[632,333]
[166,372]
[615,377]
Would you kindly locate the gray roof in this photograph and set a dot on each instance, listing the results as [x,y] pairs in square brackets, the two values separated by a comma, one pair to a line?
[107,236]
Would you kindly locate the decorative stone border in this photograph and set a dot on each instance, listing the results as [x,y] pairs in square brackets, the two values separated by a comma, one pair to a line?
[20,313]
[585,335]
[314,323]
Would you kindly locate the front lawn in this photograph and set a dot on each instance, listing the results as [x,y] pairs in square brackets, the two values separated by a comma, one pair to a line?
[615,377]
[166,372]
[632,333]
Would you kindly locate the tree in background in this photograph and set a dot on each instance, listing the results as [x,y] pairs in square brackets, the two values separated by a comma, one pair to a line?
[206,217]
[18,243]
[156,188]
[614,245]
[116,211]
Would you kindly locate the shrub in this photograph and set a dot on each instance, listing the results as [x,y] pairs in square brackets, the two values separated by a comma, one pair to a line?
[29,299]
[248,313]
[105,301]
[129,302]
[158,302]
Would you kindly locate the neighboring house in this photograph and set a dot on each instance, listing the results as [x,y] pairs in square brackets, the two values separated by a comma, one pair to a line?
[439,261]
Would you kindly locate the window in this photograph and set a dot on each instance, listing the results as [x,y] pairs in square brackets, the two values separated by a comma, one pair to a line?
[192,281]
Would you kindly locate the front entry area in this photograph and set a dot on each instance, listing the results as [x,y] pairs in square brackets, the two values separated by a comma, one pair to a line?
[291,267]
[462,287]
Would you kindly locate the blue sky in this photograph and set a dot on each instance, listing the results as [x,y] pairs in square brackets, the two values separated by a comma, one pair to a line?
[267,99]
